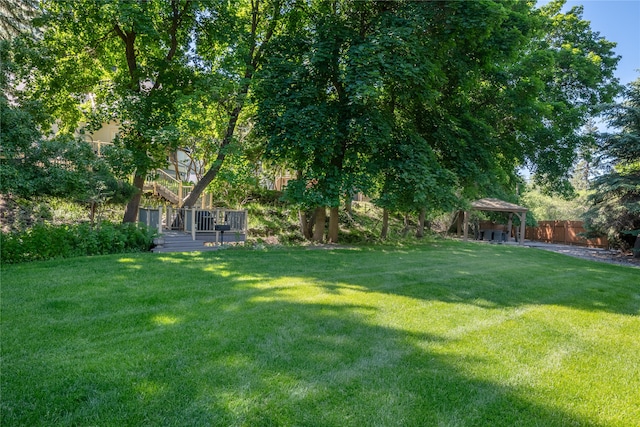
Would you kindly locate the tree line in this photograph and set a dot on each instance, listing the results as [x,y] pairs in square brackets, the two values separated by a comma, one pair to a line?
[422,106]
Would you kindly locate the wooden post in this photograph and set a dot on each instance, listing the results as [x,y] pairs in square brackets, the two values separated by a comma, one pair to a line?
[159,219]
[219,220]
[523,220]
[193,223]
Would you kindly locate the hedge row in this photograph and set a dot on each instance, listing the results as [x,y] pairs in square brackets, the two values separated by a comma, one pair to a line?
[45,241]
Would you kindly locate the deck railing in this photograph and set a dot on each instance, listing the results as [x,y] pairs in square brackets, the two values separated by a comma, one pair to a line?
[195,221]
[167,181]
[98,146]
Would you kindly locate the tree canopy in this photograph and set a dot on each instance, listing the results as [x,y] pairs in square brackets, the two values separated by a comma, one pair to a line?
[419,105]
[125,62]
[15,16]
[62,166]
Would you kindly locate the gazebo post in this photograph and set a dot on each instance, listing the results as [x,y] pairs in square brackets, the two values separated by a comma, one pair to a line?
[523,220]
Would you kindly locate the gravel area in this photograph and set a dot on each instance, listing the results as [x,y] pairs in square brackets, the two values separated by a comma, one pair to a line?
[594,254]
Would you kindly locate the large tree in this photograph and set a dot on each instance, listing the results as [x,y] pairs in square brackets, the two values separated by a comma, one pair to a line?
[568,68]
[170,73]
[231,50]
[122,61]
[319,104]
[415,101]
[450,143]
[518,91]
[615,202]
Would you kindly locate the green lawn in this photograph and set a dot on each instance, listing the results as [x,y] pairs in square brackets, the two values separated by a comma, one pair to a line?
[441,334]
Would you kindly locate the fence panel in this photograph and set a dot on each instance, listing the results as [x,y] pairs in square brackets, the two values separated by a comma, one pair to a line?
[151,217]
[559,232]
[237,220]
[564,232]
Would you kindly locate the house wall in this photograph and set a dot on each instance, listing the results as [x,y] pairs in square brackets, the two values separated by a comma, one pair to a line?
[106,133]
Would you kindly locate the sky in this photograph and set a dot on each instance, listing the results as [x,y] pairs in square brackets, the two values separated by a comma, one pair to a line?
[617,21]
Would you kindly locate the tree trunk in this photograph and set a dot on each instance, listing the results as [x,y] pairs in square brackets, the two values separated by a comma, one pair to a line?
[211,174]
[420,229]
[405,230]
[131,211]
[385,224]
[320,216]
[334,224]
[306,224]
[636,247]
[348,205]
[92,213]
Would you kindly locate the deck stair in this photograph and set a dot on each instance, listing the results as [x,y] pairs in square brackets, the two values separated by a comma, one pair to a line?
[162,192]
[178,241]
[166,187]
[201,228]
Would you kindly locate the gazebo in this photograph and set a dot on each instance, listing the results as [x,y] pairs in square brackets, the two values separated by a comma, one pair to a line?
[496,205]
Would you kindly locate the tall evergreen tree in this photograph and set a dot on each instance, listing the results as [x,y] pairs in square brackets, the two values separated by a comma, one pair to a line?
[615,202]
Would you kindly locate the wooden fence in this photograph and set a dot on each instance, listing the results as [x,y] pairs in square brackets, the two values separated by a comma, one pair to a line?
[564,232]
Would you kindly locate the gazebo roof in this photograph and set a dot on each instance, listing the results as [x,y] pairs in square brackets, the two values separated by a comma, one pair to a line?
[496,205]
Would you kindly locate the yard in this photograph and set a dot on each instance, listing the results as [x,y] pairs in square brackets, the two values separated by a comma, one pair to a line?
[442,333]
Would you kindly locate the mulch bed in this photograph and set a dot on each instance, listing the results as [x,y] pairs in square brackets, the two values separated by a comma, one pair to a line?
[594,254]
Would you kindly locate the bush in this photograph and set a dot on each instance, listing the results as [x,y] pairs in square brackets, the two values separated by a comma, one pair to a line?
[44,241]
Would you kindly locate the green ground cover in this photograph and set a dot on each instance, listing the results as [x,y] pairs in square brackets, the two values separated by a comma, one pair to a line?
[443,333]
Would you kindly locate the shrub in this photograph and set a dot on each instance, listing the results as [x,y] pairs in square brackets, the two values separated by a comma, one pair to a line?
[45,241]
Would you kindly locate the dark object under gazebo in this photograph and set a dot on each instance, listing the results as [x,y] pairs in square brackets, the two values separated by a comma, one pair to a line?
[497,205]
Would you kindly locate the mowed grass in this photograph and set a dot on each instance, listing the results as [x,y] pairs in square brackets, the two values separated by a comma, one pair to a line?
[440,334]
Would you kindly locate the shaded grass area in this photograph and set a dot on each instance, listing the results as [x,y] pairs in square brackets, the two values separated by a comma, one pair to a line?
[443,333]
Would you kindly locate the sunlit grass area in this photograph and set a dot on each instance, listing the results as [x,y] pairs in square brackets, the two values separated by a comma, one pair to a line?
[442,333]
